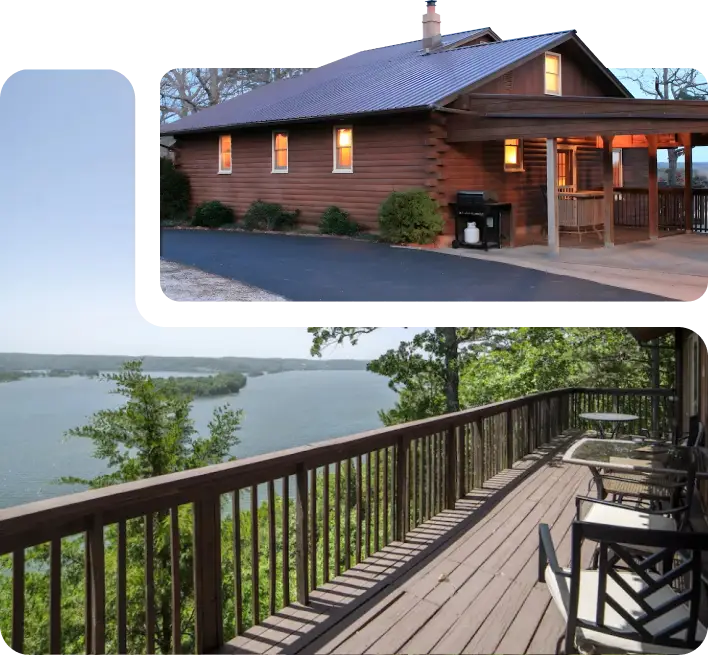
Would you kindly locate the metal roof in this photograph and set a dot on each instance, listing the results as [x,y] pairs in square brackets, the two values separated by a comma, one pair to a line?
[394,78]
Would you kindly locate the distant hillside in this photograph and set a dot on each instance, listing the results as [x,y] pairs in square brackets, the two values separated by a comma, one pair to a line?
[247,365]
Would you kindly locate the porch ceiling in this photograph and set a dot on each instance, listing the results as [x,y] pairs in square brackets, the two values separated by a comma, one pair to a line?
[648,333]
[486,117]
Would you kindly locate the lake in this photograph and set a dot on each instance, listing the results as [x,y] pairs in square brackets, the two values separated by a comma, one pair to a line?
[280,411]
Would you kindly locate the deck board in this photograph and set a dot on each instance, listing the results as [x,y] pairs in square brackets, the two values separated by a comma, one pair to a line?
[463,582]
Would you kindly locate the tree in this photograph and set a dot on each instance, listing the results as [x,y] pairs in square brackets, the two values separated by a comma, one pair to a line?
[151,434]
[184,91]
[669,84]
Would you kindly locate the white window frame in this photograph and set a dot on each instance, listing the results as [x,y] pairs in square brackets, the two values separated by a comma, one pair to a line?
[621,165]
[518,167]
[287,152]
[335,169]
[560,75]
[694,374]
[224,171]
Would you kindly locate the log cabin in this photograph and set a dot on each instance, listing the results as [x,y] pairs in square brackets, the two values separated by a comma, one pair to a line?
[464,111]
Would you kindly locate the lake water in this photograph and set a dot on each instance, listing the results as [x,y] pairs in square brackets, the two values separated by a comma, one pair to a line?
[280,411]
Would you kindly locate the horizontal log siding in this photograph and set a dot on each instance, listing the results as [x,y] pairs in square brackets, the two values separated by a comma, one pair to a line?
[389,155]
[479,166]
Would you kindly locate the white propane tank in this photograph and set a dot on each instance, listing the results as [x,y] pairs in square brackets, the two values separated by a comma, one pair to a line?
[471,233]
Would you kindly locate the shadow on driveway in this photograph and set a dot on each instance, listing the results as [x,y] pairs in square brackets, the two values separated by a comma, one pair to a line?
[314,268]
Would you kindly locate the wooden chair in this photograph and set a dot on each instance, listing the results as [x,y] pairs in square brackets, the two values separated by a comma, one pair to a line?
[624,605]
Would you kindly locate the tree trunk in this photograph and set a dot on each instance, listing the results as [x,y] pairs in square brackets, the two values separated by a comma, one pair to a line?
[655,383]
[673,167]
[452,368]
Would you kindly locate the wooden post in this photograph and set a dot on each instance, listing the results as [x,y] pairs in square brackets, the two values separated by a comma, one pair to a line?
[552,196]
[98,588]
[450,468]
[653,188]
[688,180]
[678,403]
[608,191]
[402,488]
[207,574]
[509,438]
[303,592]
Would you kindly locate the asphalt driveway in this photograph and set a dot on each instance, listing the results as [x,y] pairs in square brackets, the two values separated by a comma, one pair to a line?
[312,268]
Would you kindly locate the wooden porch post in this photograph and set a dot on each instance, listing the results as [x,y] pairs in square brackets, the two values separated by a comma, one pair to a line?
[653,188]
[608,191]
[688,180]
[552,196]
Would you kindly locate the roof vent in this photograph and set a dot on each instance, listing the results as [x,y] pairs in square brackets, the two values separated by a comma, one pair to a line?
[508,81]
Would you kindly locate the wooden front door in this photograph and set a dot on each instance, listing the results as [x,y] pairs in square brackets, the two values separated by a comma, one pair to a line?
[566,171]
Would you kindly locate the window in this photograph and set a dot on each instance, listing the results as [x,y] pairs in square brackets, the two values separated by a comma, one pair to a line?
[553,74]
[617,176]
[280,152]
[566,168]
[225,153]
[513,155]
[343,150]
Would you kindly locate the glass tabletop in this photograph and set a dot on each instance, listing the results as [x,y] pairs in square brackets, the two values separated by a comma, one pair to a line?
[626,454]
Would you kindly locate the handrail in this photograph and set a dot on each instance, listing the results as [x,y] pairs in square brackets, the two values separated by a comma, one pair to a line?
[131,499]
[352,496]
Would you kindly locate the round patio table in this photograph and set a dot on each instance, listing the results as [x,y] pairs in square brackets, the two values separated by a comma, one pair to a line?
[614,419]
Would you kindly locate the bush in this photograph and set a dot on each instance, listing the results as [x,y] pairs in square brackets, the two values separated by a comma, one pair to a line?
[174,193]
[269,216]
[213,214]
[410,217]
[336,221]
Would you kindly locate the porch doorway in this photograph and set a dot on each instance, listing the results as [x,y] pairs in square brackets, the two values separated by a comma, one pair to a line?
[566,169]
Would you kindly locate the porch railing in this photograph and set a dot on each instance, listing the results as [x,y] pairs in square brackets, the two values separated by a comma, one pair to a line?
[303,516]
[631,208]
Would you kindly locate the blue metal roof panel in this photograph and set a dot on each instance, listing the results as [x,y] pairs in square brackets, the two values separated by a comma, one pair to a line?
[385,79]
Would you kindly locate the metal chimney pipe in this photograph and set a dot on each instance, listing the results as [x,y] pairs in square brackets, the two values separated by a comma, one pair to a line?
[431,27]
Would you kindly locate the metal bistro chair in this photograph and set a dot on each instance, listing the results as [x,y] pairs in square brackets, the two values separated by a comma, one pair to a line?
[625,606]
[654,490]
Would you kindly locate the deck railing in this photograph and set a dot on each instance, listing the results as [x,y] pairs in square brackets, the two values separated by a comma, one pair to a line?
[303,516]
[631,208]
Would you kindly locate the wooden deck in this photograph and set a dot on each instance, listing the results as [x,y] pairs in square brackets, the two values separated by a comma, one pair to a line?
[464,582]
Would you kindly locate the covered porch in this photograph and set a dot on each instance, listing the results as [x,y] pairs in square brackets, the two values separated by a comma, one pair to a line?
[575,149]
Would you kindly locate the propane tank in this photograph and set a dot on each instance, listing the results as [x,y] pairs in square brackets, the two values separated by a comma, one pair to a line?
[471,233]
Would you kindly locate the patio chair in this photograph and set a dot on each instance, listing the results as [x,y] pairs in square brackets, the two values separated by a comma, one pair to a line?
[603,512]
[696,434]
[623,606]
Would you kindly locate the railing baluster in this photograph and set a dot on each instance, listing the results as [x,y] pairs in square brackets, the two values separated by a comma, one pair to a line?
[121,589]
[255,557]
[285,495]
[402,488]
[377,510]
[358,508]
[385,496]
[337,517]
[176,586]
[238,581]
[368,504]
[18,600]
[88,602]
[348,517]
[325,524]
[509,438]
[55,596]
[149,584]
[313,529]
[303,592]
[272,573]
[98,588]
[429,477]
[414,483]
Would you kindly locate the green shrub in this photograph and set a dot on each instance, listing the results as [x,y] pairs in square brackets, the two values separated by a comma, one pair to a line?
[336,221]
[269,216]
[174,193]
[410,217]
[213,214]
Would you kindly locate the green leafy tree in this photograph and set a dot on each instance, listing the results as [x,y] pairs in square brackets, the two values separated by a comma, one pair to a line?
[150,435]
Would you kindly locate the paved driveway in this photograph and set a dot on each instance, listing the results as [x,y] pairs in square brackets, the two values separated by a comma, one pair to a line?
[312,268]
